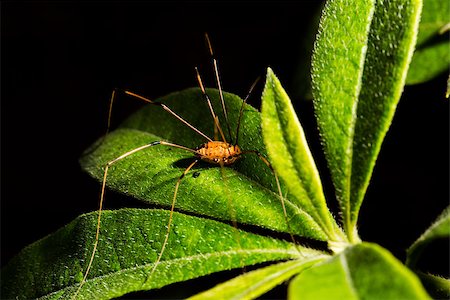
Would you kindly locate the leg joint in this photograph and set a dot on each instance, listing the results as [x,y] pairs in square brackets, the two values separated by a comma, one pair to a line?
[155,143]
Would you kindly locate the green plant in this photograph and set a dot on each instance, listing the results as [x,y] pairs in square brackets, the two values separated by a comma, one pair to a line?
[360,63]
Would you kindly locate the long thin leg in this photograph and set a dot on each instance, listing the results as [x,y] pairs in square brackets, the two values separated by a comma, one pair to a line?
[111,102]
[216,129]
[280,194]
[108,125]
[208,100]
[165,107]
[102,197]
[241,111]
[166,238]
[219,85]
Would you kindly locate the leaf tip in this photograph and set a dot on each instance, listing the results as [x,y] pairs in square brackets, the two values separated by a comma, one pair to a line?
[270,74]
[271,77]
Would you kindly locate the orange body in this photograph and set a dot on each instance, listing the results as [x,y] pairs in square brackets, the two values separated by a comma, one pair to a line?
[217,152]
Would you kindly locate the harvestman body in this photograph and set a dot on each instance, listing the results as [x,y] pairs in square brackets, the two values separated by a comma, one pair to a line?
[215,152]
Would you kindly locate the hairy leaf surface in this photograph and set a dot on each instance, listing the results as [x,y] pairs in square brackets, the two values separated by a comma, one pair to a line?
[130,242]
[359,66]
[150,175]
[290,155]
[245,192]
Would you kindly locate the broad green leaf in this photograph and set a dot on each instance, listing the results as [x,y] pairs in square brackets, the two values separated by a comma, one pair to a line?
[337,66]
[130,242]
[151,175]
[191,105]
[431,57]
[359,66]
[291,157]
[439,229]
[243,193]
[258,282]
[363,271]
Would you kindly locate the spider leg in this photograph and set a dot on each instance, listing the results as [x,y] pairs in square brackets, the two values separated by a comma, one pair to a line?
[102,197]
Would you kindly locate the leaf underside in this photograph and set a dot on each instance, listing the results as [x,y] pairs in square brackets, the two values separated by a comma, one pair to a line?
[130,242]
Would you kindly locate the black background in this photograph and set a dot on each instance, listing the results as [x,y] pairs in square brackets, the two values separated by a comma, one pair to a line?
[60,62]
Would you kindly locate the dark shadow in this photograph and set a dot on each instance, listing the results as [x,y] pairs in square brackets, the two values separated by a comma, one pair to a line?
[435,39]
[201,165]
[93,147]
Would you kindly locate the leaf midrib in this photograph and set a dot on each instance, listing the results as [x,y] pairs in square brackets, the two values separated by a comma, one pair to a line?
[317,218]
[348,222]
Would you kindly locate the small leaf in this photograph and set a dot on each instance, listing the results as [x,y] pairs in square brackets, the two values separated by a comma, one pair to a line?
[244,193]
[431,57]
[438,287]
[129,244]
[363,271]
[359,66]
[258,282]
[291,157]
[439,229]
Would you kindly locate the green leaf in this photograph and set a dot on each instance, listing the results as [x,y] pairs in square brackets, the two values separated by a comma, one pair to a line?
[244,193]
[191,105]
[437,286]
[255,283]
[130,242]
[291,157]
[363,271]
[431,57]
[359,67]
[439,229]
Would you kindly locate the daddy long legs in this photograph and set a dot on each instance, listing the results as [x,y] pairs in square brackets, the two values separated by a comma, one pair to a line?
[222,150]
